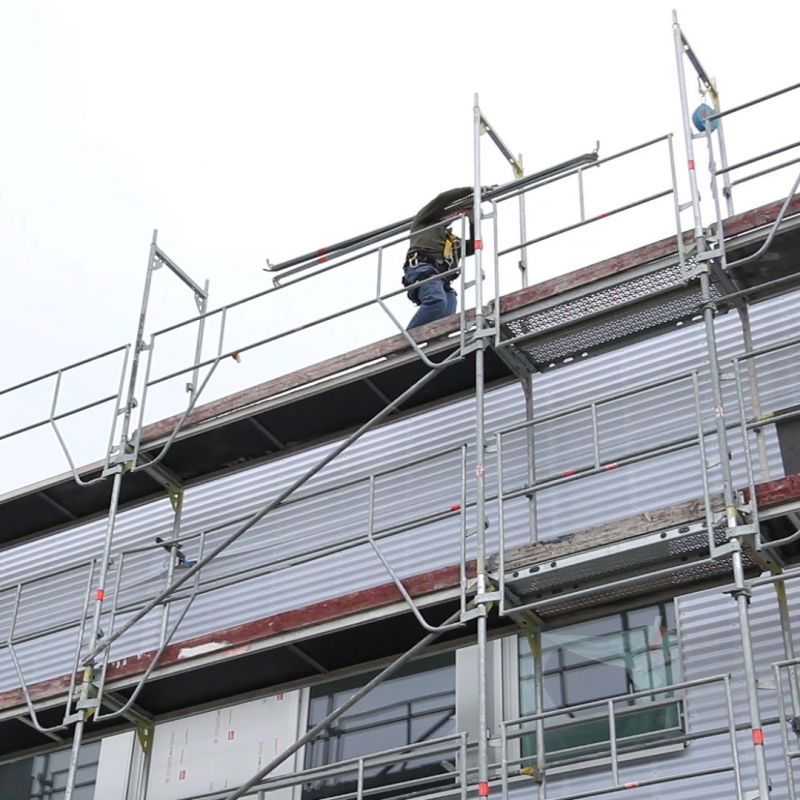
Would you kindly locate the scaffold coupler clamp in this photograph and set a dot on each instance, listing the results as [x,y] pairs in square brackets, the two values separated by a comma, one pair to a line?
[740,591]
[533,772]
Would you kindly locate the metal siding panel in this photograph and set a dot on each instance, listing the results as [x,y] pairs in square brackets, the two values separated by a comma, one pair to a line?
[424,489]
[710,645]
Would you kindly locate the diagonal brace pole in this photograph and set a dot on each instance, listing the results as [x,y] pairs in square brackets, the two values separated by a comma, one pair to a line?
[303,479]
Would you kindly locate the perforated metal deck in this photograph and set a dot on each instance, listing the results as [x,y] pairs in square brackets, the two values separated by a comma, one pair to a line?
[629,309]
[670,562]
[625,302]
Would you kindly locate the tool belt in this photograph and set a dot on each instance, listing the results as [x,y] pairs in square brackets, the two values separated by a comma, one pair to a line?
[434,265]
[416,259]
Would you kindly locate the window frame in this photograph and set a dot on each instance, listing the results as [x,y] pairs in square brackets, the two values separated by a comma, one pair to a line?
[36,790]
[340,684]
[512,709]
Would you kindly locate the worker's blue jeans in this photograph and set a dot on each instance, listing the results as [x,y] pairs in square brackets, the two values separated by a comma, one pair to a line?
[435,299]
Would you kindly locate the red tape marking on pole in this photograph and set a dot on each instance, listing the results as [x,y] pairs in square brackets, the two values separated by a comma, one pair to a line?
[612,466]
[478,244]
[632,785]
[456,507]
[691,164]
[568,472]
[483,789]
[100,594]
[758,736]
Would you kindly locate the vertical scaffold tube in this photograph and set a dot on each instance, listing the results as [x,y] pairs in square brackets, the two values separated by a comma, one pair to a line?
[687,130]
[741,591]
[788,650]
[480,469]
[94,636]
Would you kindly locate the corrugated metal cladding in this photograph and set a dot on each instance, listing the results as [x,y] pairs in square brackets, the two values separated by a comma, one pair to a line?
[316,519]
[710,645]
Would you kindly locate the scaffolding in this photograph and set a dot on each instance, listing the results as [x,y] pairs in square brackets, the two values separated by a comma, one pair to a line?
[734,535]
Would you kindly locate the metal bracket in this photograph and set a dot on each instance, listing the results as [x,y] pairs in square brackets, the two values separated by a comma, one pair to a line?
[144,735]
[473,613]
[692,268]
[485,333]
[175,494]
[472,346]
[486,597]
[741,531]
[743,592]
[519,365]
[723,550]
[533,772]
[162,475]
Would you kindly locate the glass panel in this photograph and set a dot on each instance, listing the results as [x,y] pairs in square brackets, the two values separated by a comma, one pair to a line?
[416,705]
[16,779]
[595,682]
[45,777]
[622,653]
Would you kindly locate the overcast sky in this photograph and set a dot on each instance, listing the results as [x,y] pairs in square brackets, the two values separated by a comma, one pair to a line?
[253,130]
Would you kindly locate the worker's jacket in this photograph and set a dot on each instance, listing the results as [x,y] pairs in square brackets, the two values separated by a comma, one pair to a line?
[430,244]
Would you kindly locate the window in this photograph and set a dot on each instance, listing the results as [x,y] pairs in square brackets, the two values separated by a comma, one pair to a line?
[416,705]
[620,654]
[44,777]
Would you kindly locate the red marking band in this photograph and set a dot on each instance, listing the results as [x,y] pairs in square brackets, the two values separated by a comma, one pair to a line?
[456,507]
[758,736]
[600,216]
[632,785]
[568,472]
[321,260]
[483,789]
[612,466]
[100,594]
[479,246]
[691,164]
[322,250]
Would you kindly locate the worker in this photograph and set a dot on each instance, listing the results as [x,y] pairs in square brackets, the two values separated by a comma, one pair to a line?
[434,251]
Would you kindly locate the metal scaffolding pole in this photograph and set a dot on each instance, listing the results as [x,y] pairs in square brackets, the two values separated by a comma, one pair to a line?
[527,381]
[741,591]
[538,678]
[755,394]
[788,650]
[87,704]
[481,598]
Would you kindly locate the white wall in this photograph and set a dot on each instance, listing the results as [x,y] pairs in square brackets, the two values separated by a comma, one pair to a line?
[222,749]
